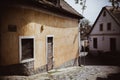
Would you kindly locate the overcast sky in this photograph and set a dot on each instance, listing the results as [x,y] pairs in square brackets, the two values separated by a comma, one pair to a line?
[92,10]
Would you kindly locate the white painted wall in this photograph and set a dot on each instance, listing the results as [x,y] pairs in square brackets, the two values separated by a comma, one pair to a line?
[104,40]
[115,28]
[104,44]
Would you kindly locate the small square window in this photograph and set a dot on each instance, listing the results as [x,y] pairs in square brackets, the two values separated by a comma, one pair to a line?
[104,13]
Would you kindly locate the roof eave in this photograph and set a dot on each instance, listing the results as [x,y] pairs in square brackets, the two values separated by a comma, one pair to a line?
[43,6]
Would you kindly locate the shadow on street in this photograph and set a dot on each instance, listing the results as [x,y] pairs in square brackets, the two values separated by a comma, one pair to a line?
[102,59]
[108,59]
[115,76]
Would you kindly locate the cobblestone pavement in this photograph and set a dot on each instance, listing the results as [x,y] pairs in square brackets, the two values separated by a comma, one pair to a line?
[74,73]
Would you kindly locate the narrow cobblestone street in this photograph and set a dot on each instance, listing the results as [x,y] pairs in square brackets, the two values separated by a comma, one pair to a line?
[74,73]
[60,40]
[92,68]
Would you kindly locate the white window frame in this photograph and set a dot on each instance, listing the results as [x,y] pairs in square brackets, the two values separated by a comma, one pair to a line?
[47,47]
[20,48]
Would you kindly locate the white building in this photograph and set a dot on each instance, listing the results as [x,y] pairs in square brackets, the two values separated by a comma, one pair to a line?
[105,33]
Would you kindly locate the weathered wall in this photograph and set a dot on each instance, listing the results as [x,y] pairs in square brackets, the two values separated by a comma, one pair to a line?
[29,22]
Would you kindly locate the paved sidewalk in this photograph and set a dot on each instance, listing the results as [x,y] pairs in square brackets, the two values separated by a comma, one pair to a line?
[72,73]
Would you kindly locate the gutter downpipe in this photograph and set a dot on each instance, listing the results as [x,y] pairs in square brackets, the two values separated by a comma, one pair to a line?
[79,47]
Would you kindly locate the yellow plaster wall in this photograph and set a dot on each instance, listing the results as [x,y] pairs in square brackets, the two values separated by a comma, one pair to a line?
[29,22]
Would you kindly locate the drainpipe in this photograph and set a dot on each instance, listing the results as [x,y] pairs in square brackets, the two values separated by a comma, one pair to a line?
[79,45]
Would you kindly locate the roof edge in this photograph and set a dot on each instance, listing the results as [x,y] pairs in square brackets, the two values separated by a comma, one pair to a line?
[44,6]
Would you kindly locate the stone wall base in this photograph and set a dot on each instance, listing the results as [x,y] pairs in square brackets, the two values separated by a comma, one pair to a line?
[18,69]
[26,69]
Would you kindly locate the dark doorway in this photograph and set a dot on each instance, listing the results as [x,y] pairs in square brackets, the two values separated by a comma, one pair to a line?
[112,44]
[95,42]
[49,53]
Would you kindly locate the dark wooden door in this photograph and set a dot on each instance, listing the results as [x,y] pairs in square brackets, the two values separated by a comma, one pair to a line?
[112,44]
[49,53]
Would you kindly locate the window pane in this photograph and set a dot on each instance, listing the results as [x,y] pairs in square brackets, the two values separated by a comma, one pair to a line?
[50,39]
[101,27]
[27,48]
[95,42]
[108,26]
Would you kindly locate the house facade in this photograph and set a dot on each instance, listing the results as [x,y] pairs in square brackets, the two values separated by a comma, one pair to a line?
[105,33]
[37,36]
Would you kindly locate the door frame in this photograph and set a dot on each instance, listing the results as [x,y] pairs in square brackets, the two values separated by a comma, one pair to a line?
[47,48]
[114,39]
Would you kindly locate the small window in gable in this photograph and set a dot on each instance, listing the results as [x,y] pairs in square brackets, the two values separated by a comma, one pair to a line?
[101,27]
[104,13]
[108,26]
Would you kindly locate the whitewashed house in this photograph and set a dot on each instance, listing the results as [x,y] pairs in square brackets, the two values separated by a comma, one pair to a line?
[105,33]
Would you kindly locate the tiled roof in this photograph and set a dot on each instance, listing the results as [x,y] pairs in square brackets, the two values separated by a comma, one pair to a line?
[67,7]
[56,6]
[114,13]
[62,5]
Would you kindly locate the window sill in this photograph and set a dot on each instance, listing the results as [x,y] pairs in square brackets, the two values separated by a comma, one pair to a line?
[27,60]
